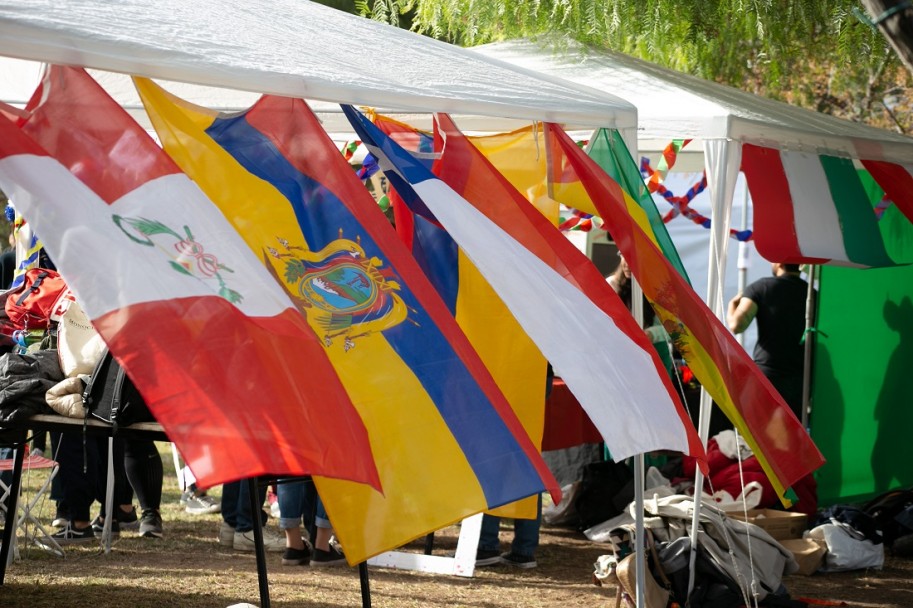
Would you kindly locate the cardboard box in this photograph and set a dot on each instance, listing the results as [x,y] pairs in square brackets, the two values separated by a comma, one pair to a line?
[808,553]
[779,524]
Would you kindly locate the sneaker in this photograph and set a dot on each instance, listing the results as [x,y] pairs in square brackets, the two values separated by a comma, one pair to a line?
[296,557]
[272,542]
[519,561]
[127,519]
[488,557]
[150,526]
[61,518]
[98,527]
[69,535]
[333,557]
[226,534]
[200,505]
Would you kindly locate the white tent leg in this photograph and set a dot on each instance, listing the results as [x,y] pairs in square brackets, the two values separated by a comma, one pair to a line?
[722,159]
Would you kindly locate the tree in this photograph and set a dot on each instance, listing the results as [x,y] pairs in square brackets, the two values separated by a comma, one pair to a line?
[816,54]
[895,20]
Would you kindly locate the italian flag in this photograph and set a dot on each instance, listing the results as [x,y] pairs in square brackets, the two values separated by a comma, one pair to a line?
[896,181]
[811,209]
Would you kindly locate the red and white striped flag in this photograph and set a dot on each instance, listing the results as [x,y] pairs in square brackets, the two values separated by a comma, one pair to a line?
[226,363]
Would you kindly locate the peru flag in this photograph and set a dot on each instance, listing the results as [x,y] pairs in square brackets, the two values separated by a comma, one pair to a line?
[227,364]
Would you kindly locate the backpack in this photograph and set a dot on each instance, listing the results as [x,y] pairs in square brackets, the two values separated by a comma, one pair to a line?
[713,587]
[892,513]
[111,397]
[29,306]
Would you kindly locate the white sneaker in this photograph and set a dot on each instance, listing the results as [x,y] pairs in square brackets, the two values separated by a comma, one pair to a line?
[272,542]
[226,535]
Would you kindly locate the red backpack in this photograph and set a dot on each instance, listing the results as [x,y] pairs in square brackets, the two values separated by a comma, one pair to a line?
[29,305]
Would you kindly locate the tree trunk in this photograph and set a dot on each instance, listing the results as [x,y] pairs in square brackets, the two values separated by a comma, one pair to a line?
[897,28]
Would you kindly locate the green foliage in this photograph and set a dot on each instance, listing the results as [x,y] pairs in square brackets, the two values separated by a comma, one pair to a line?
[810,52]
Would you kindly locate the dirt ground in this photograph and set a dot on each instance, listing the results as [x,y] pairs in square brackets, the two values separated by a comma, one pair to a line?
[188,569]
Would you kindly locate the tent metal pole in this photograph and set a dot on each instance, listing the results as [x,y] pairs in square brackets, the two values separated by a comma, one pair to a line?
[639,536]
[811,307]
[637,310]
[743,255]
[719,159]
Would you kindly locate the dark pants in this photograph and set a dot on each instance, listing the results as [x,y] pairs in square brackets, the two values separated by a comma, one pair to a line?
[789,386]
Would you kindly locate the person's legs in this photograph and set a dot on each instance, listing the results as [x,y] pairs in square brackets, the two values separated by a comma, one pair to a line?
[325,554]
[489,553]
[243,539]
[230,493]
[291,509]
[526,540]
[122,493]
[145,472]
[290,495]
[488,536]
[77,485]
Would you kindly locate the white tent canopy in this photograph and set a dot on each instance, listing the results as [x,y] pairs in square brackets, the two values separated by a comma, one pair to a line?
[671,104]
[298,49]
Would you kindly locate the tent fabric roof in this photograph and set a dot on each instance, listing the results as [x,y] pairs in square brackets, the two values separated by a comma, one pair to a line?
[671,104]
[299,49]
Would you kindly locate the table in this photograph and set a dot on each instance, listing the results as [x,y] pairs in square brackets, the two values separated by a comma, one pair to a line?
[15,434]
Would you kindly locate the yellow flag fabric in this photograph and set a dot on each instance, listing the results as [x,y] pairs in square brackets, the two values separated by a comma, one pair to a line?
[445,441]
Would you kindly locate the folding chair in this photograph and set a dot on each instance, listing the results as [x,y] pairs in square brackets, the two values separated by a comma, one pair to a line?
[25,517]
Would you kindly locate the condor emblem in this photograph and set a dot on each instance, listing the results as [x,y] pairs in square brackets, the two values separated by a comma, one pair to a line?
[342,292]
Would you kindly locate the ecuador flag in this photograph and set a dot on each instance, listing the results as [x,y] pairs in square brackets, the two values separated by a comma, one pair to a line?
[445,441]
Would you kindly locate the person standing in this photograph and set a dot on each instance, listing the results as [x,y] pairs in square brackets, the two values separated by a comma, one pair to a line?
[526,531]
[778,303]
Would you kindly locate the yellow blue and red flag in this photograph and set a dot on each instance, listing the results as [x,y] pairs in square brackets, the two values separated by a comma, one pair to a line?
[551,288]
[509,354]
[445,441]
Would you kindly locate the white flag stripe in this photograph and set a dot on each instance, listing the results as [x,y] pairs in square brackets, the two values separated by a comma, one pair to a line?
[614,380]
[130,273]
[817,223]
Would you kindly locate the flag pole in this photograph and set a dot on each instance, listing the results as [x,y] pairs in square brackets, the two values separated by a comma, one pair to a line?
[637,309]
[717,155]
[809,338]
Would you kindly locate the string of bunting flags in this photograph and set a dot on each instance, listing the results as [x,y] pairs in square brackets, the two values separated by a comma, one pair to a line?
[574,219]
[681,204]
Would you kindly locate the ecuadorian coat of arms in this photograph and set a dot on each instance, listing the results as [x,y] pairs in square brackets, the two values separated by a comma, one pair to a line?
[344,293]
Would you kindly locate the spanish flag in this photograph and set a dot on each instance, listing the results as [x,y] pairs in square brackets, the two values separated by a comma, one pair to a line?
[724,369]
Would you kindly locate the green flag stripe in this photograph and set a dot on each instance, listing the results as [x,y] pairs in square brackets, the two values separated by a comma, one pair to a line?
[607,148]
[861,236]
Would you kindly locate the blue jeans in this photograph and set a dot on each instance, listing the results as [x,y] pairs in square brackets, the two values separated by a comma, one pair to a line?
[294,498]
[236,505]
[6,476]
[526,533]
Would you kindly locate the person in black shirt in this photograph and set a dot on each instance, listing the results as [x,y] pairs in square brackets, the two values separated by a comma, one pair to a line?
[779,304]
